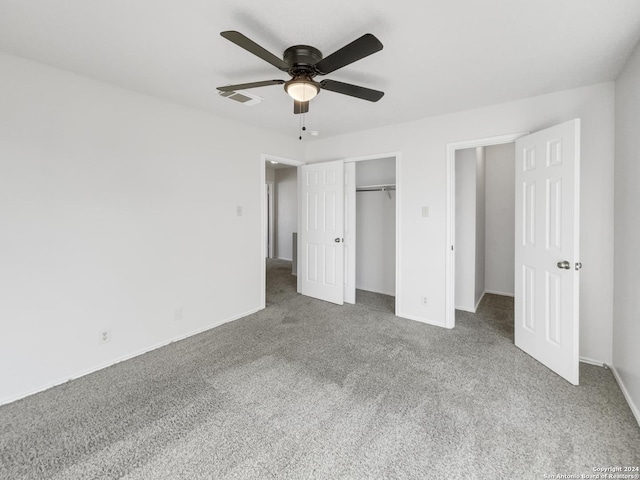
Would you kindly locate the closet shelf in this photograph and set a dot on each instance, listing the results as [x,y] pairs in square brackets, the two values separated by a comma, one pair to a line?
[376,188]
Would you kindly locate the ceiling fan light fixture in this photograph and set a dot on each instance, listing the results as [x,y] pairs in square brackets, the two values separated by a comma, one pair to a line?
[301,89]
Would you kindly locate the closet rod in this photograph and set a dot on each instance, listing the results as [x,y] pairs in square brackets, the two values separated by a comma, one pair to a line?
[375,188]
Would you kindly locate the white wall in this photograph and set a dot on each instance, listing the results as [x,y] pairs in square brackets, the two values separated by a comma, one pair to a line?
[470,228]
[626,325]
[270,174]
[500,220]
[286,211]
[376,227]
[465,246]
[111,209]
[480,226]
[422,176]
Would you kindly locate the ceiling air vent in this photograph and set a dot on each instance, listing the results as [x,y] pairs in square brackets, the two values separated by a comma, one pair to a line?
[242,97]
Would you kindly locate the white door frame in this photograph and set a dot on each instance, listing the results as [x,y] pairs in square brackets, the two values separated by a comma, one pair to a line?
[450,270]
[264,158]
[270,223]
[397,156]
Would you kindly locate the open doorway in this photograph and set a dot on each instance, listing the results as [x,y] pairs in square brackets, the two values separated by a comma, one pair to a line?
[341,275]
[485,237]
[485,224]
[454,260]
[546,243]
[279,217]
[282,210]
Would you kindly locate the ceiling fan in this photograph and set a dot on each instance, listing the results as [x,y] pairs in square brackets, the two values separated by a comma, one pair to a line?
[303,63]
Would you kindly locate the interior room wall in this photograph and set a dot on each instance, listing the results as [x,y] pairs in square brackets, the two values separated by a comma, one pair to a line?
[480,226]
[626,327]
[286,181]
[111,209]
[376,227]
[500,220]
[269,174]
[422,146]
[470,228]
[465,246]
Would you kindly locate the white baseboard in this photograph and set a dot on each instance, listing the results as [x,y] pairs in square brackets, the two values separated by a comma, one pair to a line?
[475,309]
[591,361]
[366,289]
[471,309]
[634,408]
[110,363]
[465,309]
[421,320]
[496,292]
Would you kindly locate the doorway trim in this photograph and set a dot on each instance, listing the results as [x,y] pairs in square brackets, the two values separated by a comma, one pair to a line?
[397,155]
[264,158]
[450,269]
[270,221]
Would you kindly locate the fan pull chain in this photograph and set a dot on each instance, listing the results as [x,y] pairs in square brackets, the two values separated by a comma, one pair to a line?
[304,126]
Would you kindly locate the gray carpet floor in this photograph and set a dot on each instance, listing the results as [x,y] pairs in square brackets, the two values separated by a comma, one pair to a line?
[306,389]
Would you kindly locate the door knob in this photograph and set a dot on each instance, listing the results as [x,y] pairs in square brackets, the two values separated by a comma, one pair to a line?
[337,240]
[564,265]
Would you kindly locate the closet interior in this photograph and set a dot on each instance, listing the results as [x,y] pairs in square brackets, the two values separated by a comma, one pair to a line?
[376,226]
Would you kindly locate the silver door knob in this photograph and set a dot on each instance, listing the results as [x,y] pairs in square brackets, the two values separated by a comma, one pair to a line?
[564,265]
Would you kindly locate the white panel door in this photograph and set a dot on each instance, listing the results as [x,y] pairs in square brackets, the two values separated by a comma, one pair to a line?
[350,232]
[547,247]
[321,253]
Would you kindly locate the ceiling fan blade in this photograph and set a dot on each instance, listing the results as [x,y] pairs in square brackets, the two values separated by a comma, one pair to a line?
[251,46]
[360,48]
[300,107]
[352,90]
[244,86]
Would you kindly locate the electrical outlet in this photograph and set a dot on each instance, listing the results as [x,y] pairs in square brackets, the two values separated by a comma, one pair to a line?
[177,314]
[105,336]
[239,210]
[424,301]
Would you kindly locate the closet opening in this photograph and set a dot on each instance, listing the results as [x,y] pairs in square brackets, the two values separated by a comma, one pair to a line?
[375,233]
[369,233]
[485,230]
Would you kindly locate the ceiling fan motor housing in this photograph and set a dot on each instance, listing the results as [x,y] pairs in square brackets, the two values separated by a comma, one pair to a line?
[302,60]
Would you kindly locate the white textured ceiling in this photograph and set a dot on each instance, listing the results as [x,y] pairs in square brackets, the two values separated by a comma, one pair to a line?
[438,57]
